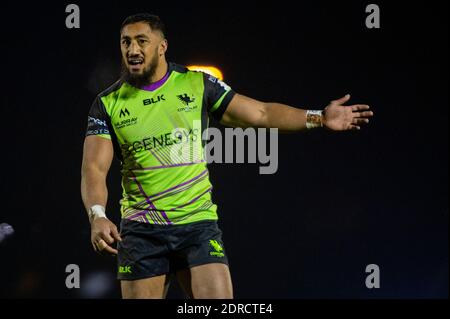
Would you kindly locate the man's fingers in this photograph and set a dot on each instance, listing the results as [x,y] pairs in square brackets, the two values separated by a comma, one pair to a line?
[107,237]
[110,250]
[99,245]
[360,107]
[354,127]
[102,247]
[115,234]
[342,100]
[358,120]
[363,114]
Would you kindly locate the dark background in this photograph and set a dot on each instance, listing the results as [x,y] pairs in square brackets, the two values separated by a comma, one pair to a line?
[339,201]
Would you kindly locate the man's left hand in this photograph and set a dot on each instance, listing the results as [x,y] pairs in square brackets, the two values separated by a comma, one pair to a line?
[339,117]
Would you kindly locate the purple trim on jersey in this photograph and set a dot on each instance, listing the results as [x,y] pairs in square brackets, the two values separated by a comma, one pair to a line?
[144,218]
[166,166]
[143,213]
[148,212]
[180,185]
[154,216]
[163,213]
[157,84]
[194,199]
[137,214]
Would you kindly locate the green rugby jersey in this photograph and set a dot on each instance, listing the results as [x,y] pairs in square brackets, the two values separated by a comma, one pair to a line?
[157,137]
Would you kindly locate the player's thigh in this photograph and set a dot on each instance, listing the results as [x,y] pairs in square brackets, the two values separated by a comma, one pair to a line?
[148,288]
[208,281]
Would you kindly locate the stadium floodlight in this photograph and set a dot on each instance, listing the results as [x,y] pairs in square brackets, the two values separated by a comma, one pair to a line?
[211,70]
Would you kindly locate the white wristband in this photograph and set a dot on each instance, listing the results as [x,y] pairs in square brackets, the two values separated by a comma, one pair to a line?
[313,119]
[96,211]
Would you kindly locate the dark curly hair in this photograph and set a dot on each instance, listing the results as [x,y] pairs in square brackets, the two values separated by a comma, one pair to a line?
[152,20]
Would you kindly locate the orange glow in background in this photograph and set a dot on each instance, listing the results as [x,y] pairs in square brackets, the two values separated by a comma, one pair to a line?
[211,70]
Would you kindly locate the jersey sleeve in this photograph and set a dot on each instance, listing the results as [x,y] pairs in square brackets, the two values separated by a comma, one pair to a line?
[98,120]
[218,95]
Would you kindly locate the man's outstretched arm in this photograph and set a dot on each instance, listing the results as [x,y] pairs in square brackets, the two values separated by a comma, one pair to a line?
[247,112]
[97,157]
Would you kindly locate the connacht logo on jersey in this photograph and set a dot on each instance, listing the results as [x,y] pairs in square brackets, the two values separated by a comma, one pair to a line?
[218,250]
[185,99]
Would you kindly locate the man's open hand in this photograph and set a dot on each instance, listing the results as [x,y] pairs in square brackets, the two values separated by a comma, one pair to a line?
[103,234]
[338,117]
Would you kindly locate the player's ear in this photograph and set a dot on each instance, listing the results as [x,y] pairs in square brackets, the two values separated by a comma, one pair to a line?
[163,47]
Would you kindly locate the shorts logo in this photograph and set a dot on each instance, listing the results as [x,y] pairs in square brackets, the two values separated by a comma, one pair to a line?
[218,250]
[124,269]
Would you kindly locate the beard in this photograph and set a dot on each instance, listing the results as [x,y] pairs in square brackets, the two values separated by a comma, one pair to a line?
[140,80]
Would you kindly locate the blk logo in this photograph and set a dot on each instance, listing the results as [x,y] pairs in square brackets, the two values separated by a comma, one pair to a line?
[124,112]
[159,98]
[185,99]
[125,269]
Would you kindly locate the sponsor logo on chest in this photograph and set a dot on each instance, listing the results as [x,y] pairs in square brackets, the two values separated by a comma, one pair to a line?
[125,119]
